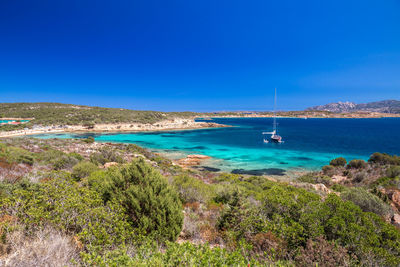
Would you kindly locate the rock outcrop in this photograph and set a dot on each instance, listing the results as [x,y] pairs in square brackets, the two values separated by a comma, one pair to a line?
[191,160]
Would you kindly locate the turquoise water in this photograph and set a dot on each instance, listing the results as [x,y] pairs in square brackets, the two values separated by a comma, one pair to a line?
[7,121]
[309,144]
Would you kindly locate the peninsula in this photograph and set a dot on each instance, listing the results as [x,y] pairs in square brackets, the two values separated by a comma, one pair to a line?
[55,117]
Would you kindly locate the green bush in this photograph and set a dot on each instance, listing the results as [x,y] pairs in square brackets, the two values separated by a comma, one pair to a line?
[71,208]
[297,216]
[64,162]
[106,155]
[328,170]
[357,164]
[338,162]
[384,159]
[16,155]
[76,155]
[338,187]
[191,189]
[393,171]
[367,201]
[83,169]
[315,178]
[89,140]
[152,205]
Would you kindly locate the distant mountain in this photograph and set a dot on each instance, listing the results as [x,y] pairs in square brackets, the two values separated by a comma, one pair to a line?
[385,106]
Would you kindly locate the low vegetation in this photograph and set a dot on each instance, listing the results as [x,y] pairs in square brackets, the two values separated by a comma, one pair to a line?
[74,202]
[67,114]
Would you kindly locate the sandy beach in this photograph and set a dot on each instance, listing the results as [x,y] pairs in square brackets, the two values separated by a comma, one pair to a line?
[167,125]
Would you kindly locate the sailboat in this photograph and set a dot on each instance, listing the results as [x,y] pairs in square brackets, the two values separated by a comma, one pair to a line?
[274,134]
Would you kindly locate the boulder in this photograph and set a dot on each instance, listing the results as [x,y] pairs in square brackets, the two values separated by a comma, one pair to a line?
[396,198]
[191,160]
[109,164]
[396,220]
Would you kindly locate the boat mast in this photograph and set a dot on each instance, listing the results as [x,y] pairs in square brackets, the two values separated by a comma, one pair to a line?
[274,125]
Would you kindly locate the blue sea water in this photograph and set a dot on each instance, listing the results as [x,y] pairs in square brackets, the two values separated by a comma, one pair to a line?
[309,144]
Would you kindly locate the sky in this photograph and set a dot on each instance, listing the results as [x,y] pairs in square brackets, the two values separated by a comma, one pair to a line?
[208,55]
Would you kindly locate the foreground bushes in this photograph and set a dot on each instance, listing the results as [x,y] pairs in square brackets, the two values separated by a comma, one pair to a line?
[296,216]
[367,201]
[151,204]
[75,210]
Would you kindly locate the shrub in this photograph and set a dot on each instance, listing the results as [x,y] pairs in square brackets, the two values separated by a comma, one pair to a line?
[322,253]
[191,189]
[367,201]
[360,232]
[383,158]
[106,155]
[72,209]
[357,164]
[359,177]
[88,140]
[338,187]
[393,171]
[338,162]
[64,162]
[308,178]
[316,178]
[152,205]
[76,155]
[83,169]
[328,170]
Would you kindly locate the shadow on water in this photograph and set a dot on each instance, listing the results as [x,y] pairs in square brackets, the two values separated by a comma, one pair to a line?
[259,172]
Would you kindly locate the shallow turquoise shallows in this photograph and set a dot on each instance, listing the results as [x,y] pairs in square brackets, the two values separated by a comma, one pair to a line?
[309,144]
[7,121]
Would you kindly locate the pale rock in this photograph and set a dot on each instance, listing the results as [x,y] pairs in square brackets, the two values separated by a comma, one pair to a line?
[110,164]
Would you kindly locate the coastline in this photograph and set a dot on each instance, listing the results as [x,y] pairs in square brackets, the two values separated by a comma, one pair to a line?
[169,125]
[370,115]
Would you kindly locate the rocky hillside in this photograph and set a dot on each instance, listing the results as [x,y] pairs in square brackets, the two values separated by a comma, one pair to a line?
[385,106]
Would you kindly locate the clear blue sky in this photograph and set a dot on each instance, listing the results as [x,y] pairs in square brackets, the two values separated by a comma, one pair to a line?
[199,55]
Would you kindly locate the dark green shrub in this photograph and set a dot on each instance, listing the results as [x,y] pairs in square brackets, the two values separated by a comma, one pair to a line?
[359,177]
[328,170]
[357,164]
[338,187]
[152,205]
[106,155]
[89,140]
[317,178]
[393,171]
[76,155]
[191,189]
[83,169]
[362,233]
[308,178]
[338,162]
[367,201]
[64,162]
[26,159]
[71,208]
[383,158]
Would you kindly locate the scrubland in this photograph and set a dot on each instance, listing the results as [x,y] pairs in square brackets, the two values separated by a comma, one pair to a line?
[79,202]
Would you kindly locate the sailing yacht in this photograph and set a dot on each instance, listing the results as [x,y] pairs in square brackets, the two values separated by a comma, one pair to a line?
[274,134]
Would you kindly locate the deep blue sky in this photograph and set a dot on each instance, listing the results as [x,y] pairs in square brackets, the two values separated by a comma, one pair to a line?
[199,55]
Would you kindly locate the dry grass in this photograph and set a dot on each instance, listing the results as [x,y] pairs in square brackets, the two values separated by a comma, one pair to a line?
[46,247]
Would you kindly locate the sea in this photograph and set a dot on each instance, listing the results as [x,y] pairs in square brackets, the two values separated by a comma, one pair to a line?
[308,143]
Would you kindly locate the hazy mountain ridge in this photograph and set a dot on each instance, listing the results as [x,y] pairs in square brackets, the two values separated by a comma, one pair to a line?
[385,106]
